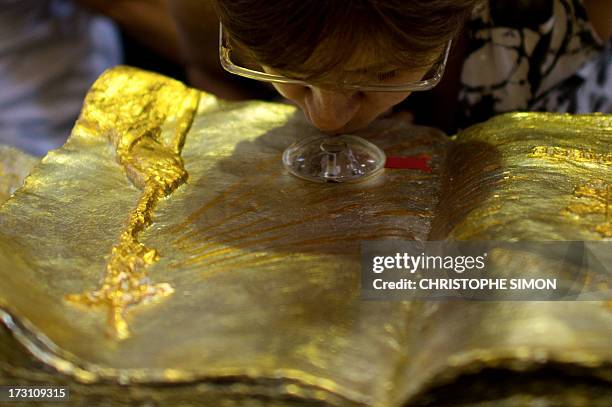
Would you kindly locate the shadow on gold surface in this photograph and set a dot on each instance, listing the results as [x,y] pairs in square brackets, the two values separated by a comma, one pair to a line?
[265,267]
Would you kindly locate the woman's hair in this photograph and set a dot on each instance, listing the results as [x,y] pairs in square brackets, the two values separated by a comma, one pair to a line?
[284,34]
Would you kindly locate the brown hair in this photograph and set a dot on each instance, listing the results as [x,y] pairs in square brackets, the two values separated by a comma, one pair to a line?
[284,34]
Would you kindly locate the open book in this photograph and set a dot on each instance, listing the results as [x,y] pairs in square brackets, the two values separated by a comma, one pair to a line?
[165,247]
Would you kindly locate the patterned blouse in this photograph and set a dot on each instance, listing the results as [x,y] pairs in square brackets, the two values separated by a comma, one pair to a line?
[534,55]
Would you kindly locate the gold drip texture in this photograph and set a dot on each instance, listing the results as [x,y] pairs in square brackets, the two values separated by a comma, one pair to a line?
[265,267]
[145,118]
[592,198]
[572,154]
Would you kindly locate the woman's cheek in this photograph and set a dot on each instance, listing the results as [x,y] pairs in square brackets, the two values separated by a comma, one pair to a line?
[295,93]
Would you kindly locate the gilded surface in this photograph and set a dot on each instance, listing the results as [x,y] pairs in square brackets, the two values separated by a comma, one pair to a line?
[265,267]
[594,197]
[572,154]
[262,264]
[529,171]
[498,185]
[145,118]
[15,165]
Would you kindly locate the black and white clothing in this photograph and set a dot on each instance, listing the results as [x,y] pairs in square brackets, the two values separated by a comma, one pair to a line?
[533,55]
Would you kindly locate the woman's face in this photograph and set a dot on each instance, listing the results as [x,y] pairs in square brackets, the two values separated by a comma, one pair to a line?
[334,110]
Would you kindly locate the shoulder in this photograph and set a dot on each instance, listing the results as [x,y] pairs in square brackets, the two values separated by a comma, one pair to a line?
[563,17]
[528,55]
[514,13]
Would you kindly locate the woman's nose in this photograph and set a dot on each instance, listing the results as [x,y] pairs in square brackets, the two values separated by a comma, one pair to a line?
[330,110]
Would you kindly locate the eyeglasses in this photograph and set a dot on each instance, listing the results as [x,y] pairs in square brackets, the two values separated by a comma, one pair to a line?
[396,80]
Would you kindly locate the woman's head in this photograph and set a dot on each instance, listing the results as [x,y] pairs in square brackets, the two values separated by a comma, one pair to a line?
[330,42]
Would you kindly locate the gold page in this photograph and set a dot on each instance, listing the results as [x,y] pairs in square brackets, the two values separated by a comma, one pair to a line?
[220,268]
[238,272]
[534,177]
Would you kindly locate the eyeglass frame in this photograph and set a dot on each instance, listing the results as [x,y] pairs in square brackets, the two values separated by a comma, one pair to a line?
[422,85]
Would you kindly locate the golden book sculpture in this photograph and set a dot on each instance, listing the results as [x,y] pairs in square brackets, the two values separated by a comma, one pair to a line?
[163,255]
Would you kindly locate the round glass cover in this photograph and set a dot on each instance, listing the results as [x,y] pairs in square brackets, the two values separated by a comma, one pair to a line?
[342,158]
